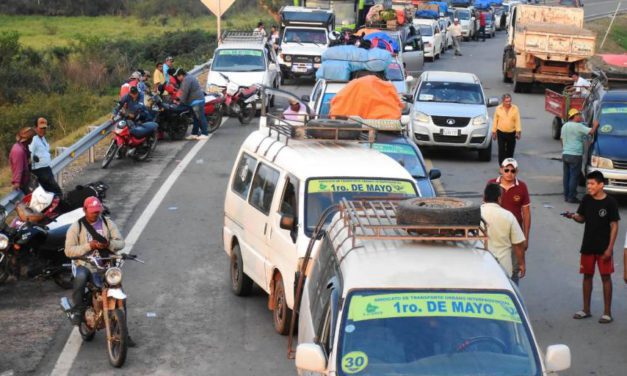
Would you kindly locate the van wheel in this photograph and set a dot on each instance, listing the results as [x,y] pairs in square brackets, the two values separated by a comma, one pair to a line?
[241,284]
[281,315]
[556,128]
[439,211]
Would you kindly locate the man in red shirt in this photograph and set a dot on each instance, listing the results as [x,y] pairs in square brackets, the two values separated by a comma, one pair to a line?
[18,159]
[515,199]
[482,24]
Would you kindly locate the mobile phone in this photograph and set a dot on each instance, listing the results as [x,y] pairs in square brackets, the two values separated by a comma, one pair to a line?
[565,214]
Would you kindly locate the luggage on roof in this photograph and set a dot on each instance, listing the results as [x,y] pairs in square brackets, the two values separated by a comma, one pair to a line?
[369,98]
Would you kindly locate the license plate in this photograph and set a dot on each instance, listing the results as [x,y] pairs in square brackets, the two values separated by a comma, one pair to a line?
[251,99]
[299,69]
[450,132]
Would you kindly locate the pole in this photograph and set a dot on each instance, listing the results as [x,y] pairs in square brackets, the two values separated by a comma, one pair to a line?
[610,27]
[219,15]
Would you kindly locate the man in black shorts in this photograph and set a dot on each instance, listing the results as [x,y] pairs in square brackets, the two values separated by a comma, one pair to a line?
[599,212]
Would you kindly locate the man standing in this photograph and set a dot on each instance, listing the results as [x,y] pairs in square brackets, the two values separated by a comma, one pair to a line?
[456,31]
[506,127]
[515,198]
[18,159]
[157,76]
[191,95]
[168,68]
[274,37]
[599,212]
[41,159]
[482,24]
[573,135]
[260,29]
[505,237]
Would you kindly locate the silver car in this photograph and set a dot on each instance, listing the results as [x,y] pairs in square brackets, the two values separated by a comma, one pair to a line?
[450,111]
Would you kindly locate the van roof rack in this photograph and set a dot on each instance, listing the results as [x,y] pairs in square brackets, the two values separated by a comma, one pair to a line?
[243,37]
[311,128]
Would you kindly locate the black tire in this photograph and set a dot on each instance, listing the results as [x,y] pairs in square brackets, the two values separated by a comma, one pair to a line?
[87,334]
[214,121]
[64,279]
[178,132]
[118,346]
[143,151]
[241,284]
[520,87]
[439,211]
[112,151]
[247,114]
[506,56]
[333,124]
[281,314]
[485,155]
[4,269]
[556,128]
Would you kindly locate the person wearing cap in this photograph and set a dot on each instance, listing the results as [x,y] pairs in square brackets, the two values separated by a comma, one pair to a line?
[132,81]
[168,68]
[19,157]
[573,136]
[506,127]
[92,233]
[515,199]
[158,77]
[456,31]
[295,112]
[191,95]
[41,159]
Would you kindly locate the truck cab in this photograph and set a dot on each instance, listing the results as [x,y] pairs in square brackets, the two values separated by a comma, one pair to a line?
[304,36]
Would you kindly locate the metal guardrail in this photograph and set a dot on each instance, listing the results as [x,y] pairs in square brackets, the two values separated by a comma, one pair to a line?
[71,153]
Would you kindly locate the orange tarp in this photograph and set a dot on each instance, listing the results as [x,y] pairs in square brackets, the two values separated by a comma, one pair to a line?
[368,97]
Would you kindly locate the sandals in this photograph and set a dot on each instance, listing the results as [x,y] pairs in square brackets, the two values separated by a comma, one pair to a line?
[579,315]
[605,319]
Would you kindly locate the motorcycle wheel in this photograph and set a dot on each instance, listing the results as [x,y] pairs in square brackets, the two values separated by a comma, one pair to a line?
[247,115]
[87,334]
[143,152]
[118,345]
[64,279]
[4,269]
[112,151]
[178,133]
[214,121]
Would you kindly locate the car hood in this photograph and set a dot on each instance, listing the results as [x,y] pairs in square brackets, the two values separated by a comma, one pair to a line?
[240,78]
[308,49]
[450,109]
[612,147]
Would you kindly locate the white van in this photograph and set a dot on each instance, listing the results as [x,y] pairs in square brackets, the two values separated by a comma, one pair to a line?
[383,298]
[432,37]
[278,189]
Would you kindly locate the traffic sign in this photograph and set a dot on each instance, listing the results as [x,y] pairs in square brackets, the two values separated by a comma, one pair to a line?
[218,7]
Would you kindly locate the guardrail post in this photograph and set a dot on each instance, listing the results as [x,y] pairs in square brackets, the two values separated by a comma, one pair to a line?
[58,151]
[92,150]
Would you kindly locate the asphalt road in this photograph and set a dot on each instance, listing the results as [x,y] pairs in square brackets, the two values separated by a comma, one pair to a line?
[187,322]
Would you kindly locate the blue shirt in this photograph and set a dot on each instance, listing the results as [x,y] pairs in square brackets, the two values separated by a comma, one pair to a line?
[573,137]
[39,147]
[165,72]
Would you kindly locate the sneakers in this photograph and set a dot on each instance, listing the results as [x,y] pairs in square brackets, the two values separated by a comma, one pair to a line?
[191,137]
[202,137]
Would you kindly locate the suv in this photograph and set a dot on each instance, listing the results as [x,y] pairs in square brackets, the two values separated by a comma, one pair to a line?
[278,191]
[246,59]
[432,37]
[380,298]
[467,20]
[450,110]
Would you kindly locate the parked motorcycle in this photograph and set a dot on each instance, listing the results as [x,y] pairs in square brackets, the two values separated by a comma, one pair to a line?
[106,305]
[214,104]
[171,118]
[131,139]
[240,101]
[33,251]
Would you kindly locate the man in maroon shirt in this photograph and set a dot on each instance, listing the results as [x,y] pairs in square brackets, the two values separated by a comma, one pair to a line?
[482,24]
[515,198]
[19,157]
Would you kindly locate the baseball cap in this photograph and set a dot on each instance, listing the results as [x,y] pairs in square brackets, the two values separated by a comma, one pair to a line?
[92,205]
[509,161]
[572,112]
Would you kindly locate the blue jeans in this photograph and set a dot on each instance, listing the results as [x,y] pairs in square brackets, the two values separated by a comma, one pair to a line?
[200,121]
[572,169]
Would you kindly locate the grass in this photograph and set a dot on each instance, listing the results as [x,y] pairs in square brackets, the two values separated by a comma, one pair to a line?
[617,39]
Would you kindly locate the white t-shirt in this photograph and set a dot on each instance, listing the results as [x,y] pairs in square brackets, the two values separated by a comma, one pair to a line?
[582,85]
[503,232]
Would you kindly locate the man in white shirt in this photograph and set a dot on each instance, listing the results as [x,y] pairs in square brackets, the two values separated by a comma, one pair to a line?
[295,112]
[504,233]
[456,31]
[41,159]
[581,86]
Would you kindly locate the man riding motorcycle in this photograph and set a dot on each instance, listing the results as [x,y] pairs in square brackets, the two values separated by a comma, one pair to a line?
[134,108]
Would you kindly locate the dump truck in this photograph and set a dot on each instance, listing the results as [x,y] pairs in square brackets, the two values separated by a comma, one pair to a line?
[546,44]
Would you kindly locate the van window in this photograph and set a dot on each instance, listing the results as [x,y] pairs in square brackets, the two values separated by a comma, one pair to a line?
[264,184]
[244,174]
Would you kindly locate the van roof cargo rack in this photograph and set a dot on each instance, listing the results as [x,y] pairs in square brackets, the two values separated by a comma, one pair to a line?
[243,37]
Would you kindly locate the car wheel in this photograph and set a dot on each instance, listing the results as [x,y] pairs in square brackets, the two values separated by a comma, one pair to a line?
[241,284]
[281,314]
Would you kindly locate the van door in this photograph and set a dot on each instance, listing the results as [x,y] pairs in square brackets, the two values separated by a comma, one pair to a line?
[257,224]
[413,55]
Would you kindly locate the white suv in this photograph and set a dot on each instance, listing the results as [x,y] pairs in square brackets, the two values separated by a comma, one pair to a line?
[450,110]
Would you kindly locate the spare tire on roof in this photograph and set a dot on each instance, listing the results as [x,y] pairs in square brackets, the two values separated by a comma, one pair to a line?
[438,211]
[333,124]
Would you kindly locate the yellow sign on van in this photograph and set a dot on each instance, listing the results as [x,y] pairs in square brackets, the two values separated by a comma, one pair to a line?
[433,304]
[376,186]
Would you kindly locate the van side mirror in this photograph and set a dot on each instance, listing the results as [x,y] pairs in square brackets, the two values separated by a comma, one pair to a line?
[493,101]
[305,98]
[310,357]
[434,174]
[287,222]
[408,48]
[408,98]
[557,358]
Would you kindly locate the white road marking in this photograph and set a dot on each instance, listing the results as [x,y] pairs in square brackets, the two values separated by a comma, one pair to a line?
[74,342]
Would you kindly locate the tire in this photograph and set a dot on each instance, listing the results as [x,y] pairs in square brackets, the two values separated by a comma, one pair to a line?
[519,87]
[506,58]
[281,314]
[112,151]
[333,124]
[241,284]
[178,132]
[556,128]
[87,334]
[64,279]
[214,121]
[118,346]
[437,57]
[440,211]
[146,149]
[247,115]
[485,155]
[4,269]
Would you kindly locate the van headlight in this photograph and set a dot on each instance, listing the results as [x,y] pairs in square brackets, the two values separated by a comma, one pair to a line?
[4,242]
[114,276]
[421,117]
[600,162]
[479,120]
[316,59]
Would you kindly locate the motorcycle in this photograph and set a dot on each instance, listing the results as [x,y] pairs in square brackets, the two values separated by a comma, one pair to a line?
[106,305]
[214,103]
[131,140]
[240,101]
[171,119]
[33,251]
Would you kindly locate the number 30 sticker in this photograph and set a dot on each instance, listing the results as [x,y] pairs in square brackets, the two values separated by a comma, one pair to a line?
[354,361]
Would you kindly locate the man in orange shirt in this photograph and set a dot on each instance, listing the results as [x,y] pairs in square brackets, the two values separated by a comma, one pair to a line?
[506,127]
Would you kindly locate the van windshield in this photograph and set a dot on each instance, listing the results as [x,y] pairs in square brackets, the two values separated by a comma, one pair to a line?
[325,192]
[463,15]
[315,36]
[426,31]
[238,60]
[435,333]
[613,119]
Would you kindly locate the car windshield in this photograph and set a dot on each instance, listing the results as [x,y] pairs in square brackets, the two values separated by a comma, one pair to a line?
[405,155]
[238,60]
[613,119]
[450,92]
[314,36]
[463,15]
[325,192]
[435,333]
[426,31]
